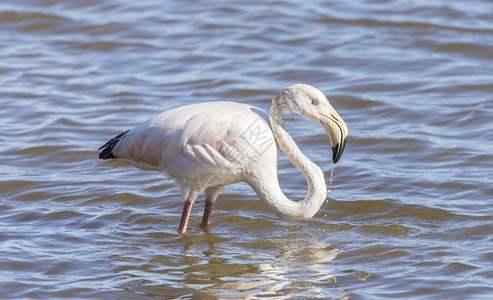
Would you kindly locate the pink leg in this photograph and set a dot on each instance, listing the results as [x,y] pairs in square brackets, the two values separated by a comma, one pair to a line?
[187,207]
[211,194]
[206,220]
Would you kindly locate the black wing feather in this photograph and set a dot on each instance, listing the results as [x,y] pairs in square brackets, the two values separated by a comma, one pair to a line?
[107,152]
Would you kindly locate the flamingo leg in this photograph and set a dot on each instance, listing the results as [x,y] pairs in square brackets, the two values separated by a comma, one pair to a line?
[211,194]
[206,219]
[187,207]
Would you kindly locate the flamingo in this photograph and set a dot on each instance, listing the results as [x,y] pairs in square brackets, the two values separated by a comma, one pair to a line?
[206,146]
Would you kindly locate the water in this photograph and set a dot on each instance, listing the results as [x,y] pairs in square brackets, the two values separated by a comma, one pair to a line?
[409,213]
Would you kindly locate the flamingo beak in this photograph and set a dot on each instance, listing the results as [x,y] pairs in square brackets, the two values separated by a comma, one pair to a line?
[337,131]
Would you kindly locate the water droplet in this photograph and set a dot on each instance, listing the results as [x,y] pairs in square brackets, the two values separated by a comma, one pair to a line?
[332,174]
[331,178]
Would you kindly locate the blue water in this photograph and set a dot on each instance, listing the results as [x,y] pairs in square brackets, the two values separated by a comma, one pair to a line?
[409,211]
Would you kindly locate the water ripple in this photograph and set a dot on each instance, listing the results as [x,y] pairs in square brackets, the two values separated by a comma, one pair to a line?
[408,213]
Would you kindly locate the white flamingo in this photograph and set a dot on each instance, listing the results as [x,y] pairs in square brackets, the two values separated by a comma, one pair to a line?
[209,145]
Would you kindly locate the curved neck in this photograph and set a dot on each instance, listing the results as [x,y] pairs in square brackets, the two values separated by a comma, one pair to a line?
[270,191]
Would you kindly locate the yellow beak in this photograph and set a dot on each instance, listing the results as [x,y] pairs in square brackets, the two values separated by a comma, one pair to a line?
[337,130]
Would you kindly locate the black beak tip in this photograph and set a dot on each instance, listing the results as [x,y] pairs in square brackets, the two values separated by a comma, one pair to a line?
[337,151]
[336,154]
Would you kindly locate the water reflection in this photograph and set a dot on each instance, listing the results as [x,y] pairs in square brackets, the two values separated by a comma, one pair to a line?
[214,266]
[220,268]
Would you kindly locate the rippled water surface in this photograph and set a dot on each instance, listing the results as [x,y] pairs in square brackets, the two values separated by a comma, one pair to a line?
[409,213]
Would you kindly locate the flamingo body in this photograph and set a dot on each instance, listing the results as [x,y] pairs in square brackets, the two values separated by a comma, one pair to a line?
[201,145]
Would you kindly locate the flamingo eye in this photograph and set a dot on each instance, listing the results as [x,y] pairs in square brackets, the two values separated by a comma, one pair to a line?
[315,101]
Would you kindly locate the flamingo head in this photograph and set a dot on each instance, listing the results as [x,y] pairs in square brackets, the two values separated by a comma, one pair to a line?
[310,103]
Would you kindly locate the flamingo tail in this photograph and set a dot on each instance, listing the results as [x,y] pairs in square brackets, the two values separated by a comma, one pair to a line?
[107,152]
